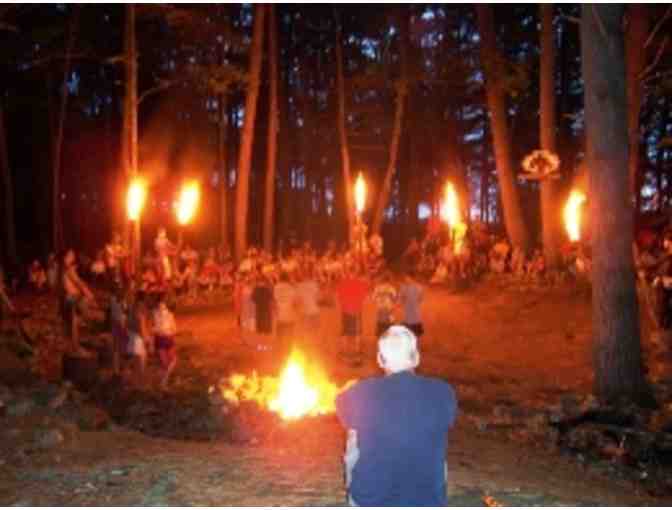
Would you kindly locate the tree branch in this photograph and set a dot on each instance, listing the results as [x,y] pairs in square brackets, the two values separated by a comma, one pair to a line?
[161,87]
[656,59]
[662,20]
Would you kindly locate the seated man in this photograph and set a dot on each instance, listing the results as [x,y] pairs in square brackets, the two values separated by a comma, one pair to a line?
[397,430]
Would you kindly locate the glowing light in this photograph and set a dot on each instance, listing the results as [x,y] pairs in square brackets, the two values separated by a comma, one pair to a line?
[360,194]
[301,390]
[572,214]
[450,208]
[135,199]
[450,213]
[188,202]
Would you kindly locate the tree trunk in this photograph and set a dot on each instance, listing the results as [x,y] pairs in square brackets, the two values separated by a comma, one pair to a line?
[247,136]
[496,99]
[57,228]
[550,212]
[343,134]
[401,91]
[8,194]
[637,32]
[222,163]
[616,345]
[130,128]
[272,147]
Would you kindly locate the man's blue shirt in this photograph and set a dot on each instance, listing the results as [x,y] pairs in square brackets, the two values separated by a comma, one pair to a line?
[402,422]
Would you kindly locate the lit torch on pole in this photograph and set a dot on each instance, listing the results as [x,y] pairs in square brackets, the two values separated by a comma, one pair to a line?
[360,228]
[186,206]
[572,215]
[135,202]
[450,213]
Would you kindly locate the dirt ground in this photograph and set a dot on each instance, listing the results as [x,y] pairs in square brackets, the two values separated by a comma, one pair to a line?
[497,343]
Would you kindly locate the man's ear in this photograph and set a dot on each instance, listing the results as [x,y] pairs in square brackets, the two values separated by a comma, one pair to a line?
[415,359]
[381,361]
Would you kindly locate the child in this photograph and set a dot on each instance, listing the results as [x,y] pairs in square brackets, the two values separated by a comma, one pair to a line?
[139,335]
[165,330]
[385,297]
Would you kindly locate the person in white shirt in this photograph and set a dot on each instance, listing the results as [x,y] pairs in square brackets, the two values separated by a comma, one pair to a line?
[285,297]
[308,291]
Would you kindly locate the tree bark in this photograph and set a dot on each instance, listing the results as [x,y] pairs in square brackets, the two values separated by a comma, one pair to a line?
[272,146]
[550,212]
[616,343]
[129,144]
[247,136]
[496,99]
[343,134]
[401,92]
[637,32]
[57,228]
[8,194]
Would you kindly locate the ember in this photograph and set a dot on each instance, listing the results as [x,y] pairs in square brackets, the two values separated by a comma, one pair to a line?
[301,390]
[572,214]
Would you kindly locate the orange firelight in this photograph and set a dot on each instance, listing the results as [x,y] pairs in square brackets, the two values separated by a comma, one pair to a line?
[135,198]
[572,214]
[450,208]
[188,202]
[301,390]
[360,194]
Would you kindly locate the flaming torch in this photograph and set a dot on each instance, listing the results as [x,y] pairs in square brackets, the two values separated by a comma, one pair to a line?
[450,213]
[187,204]
[135,202]
[360,228]
[572,215]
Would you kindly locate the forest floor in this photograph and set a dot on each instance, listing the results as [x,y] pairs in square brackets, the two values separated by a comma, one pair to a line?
[497,343]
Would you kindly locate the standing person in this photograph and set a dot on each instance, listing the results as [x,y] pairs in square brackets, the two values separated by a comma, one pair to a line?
[397,430]
[262,295]
[248,312]
[285,298]
[351,292]
[118,324]
[411,295]
[74,293]
[309,294]
[385,297]
[140,343]
[165,329]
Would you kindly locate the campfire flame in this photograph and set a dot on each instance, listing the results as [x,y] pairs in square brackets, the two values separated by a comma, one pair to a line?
[188,202]
[450,208]
[301,390]
[135,199]
[572,214]
[360,194]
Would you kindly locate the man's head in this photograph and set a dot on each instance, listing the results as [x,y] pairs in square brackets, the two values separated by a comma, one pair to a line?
[398,350]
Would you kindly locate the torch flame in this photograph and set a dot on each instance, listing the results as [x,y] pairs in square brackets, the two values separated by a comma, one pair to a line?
[299,391]
[450,208]
[573,214]
[135,199]
[360,194]
[188,202]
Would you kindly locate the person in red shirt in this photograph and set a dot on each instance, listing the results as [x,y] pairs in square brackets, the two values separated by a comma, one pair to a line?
[351,292]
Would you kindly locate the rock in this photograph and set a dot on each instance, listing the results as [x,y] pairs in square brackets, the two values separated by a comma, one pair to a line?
[20,407]
[49,438]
